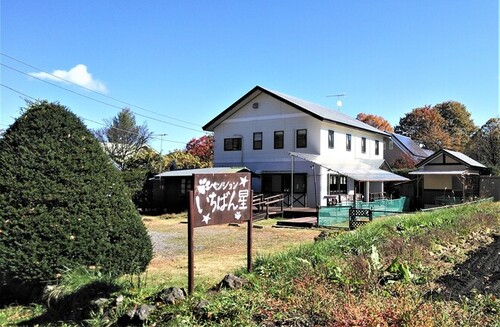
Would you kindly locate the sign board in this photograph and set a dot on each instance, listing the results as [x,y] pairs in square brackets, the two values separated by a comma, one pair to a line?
[221,199]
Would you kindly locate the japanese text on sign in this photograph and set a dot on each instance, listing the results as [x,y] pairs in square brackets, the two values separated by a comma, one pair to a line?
[221,198]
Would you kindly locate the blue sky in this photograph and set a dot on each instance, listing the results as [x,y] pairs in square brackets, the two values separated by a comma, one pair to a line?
[178,64]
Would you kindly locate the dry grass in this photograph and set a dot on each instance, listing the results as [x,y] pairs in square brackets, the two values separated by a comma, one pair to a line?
[219,249]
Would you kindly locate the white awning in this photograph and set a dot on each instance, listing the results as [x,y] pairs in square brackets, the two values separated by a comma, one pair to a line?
[444,172]
[359,170]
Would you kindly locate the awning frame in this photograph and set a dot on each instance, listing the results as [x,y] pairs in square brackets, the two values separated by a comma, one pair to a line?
[363,169]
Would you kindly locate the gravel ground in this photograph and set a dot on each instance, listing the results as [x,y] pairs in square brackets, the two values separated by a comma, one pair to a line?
[166,244]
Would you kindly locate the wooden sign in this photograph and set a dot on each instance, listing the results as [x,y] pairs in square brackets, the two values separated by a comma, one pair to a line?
[221,199]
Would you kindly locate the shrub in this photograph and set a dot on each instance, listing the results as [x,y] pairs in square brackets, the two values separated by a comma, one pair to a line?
[62,202]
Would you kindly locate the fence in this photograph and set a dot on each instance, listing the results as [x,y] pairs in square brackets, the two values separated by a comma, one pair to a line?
[338,215]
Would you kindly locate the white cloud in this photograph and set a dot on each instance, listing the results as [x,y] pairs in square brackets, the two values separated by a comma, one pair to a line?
[78,75]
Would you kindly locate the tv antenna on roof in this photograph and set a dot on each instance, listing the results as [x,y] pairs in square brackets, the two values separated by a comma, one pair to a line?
[339,102]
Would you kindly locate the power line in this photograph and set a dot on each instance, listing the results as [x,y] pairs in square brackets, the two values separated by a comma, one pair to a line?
[99,101]
[96,92]
[87,119]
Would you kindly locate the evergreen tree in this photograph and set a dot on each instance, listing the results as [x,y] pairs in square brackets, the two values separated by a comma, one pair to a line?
[63,204]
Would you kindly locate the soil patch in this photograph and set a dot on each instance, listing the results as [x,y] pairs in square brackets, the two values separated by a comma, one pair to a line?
[480,272]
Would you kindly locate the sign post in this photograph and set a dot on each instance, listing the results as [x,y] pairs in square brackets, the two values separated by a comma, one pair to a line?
[219,199]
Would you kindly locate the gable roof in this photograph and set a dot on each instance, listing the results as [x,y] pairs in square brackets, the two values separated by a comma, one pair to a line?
[317,111]
[466,160]
[410,145]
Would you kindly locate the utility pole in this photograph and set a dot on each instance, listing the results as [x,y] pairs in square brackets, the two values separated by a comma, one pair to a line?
[161,150]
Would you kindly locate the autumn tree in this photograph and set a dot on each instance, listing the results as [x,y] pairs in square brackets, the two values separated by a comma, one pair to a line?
[375,121]
[122,138]
[425,126]
[484,145]
[457,123]
[202,148]
[179,159]
[404,162]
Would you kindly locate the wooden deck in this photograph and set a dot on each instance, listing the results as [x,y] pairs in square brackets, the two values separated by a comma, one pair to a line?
[297,212]
[306,222]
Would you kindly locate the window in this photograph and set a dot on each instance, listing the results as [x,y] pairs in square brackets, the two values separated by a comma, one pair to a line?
[280,183]
[331,139]
[377,147]
[232,144]
[301,138]
[257,141]
[348,142]
[186,185]
[278,139]
[363,145]
[337,184]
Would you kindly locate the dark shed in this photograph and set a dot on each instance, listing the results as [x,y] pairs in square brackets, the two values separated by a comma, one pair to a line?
[170,189]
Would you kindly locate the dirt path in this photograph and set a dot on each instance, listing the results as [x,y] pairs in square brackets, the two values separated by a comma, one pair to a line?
[480,272]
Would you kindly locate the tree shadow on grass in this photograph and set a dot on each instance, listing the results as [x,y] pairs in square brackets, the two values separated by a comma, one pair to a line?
[480,272]
[76,307]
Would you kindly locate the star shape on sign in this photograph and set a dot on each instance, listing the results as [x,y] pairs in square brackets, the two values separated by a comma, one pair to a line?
[243,181]
[206,218]
[237,215]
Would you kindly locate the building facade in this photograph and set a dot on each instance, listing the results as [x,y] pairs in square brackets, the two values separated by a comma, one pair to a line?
[303,150]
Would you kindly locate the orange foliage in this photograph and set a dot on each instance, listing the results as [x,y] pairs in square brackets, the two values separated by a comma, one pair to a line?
[375,121]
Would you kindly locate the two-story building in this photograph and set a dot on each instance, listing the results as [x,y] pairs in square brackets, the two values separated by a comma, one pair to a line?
[299,148]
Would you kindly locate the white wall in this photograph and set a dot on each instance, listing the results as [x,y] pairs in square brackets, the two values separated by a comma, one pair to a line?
[274,115]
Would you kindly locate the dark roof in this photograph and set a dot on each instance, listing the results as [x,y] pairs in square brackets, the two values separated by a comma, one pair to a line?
[467,161]
[410,145]
[315,110]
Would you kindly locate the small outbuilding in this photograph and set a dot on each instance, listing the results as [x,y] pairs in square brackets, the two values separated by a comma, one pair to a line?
[447,177]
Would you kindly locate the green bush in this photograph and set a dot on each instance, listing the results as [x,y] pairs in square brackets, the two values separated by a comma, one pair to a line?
[62,202]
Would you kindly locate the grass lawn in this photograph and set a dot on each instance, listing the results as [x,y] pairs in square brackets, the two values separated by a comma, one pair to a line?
[219,249]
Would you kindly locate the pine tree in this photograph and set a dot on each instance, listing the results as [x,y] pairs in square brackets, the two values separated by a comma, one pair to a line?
[63,203]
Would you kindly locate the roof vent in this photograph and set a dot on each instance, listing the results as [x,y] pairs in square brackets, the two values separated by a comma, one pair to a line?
[255,105]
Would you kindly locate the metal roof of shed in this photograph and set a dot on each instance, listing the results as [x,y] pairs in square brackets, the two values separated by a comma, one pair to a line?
[213,170]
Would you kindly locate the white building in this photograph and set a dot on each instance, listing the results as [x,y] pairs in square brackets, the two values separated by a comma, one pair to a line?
[287,141]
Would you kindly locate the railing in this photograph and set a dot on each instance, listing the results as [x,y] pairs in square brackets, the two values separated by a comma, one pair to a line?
[263,204]
[298,198]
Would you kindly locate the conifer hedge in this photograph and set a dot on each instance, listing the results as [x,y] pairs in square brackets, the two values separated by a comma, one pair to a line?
[63,204]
